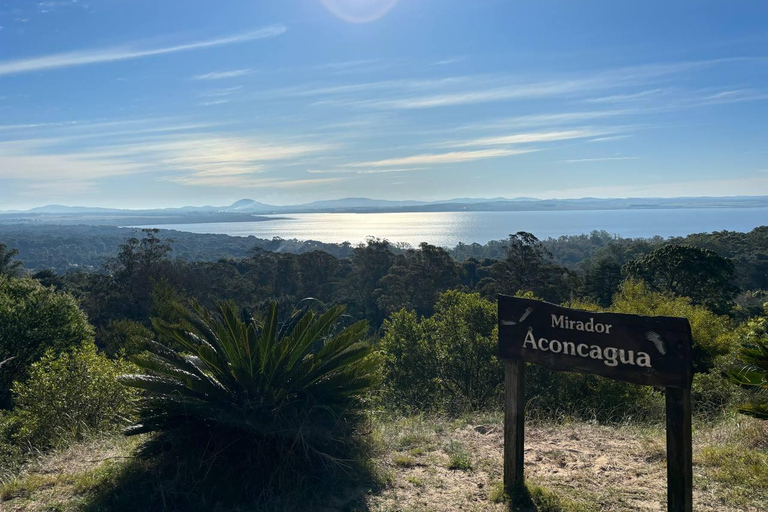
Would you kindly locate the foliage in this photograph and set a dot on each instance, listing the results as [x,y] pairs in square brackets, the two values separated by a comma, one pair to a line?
[754,373]
[294,389]
[416,279]
[34,319]
[527,266]
[447,359]
[712,334]
[561,395]
[9,266]
[688,271]
[410,374]
[70,395]
[122,337]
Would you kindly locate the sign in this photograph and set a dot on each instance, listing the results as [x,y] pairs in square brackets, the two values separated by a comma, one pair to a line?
[652,351]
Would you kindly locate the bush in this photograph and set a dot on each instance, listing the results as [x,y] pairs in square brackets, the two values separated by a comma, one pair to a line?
[448,359]
[575,395]
[290,392]
[712,334]
[410,373]
[71,395]
[34,319]
[753,374]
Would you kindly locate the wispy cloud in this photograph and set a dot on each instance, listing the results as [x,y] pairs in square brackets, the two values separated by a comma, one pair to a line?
[96,56]
[445,62]
[213,102]
[602,159]
[442,158]
[222,75]
[619,98]
[697,188]
[218,93]
[610,138]
[189,158]
[246,181]
[525,138]
[358,171]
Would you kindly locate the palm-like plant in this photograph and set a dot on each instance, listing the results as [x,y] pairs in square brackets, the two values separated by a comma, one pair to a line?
[754,375]
[299,384]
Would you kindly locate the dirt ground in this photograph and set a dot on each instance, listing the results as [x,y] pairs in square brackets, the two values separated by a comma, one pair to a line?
[430,464]
[587,467]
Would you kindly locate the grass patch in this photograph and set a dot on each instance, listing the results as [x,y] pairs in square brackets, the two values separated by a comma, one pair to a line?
[24,487]
[415,481]
[404,461]
[534,498]
[458,457]
[736,465]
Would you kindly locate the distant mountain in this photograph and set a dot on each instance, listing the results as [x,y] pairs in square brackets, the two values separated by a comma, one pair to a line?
[353,202]
[58,208]
[478,200]
[248,210]
[249,205]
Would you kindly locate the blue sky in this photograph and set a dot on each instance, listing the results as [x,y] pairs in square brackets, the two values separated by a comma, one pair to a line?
[134,103]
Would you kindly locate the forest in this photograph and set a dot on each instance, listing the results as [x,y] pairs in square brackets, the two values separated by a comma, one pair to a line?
[226,354]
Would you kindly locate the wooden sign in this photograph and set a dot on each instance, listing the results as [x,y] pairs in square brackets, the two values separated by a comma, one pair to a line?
[643,350]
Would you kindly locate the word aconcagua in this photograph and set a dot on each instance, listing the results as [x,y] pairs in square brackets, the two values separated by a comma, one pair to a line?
[611,356]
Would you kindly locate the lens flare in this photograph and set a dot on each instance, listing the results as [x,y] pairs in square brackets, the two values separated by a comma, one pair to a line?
[359,11]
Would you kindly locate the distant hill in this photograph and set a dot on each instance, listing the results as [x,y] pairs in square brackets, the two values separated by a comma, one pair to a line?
[249,210]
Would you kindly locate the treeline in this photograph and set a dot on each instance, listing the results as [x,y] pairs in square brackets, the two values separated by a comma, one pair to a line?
[724,271]
[66,248]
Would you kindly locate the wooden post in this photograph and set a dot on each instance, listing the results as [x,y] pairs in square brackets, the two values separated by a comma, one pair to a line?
[679,451]
[514,424]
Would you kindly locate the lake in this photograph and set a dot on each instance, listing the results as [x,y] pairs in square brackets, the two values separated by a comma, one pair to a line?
[449,228]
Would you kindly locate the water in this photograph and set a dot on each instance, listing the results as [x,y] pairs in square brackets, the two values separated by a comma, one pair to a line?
[449,228]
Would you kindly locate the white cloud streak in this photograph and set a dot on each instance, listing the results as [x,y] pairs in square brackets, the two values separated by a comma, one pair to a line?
[443,158]
[525,138]
[222,75]
[604,159]
[98,56]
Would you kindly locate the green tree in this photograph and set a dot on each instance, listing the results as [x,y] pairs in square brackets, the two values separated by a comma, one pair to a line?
[416,280]
[712,333]
[528,266]
[9,266]
[34,319]
[688,271]
[601,280]
[448,359]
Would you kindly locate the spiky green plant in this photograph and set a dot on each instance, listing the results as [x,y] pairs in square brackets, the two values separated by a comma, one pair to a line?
[298,385]
[754,375]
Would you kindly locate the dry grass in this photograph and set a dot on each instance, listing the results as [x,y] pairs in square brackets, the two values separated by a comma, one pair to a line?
[432,464]
[572,467]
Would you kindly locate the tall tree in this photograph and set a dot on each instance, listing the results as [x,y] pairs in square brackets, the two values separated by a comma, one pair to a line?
[9,266]
[528,267]
[699,274]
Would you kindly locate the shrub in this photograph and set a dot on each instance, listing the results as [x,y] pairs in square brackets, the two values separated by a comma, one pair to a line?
[575,395]
[410,373]
[712,334]
[70,395]
[34,319]
[754,372]
[448,359]
[295,391]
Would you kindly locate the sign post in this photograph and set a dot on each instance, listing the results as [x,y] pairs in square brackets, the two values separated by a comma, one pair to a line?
[653,351]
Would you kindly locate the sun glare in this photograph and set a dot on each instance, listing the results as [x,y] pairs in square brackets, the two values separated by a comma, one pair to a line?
[359,11]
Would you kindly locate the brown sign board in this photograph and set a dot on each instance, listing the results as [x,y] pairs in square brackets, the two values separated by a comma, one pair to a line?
[653,351]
